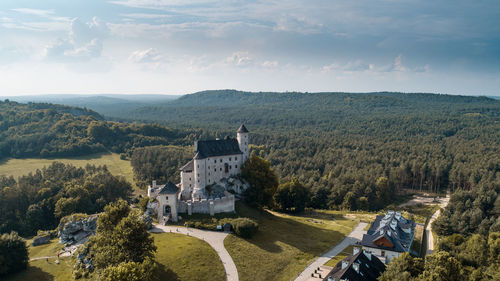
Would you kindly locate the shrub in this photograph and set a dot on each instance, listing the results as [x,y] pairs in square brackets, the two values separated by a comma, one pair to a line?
[13,254]
[245,227]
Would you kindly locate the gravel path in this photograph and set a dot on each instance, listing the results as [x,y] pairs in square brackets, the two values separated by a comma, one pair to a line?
[355,236]
[213,238]
[428,229]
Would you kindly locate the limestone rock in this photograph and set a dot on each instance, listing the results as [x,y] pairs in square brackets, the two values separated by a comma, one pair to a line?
[42,239]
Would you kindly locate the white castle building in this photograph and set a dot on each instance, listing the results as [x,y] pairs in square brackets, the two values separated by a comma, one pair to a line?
[208,182]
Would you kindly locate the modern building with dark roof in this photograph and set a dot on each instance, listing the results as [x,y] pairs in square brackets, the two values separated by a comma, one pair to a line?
[360,266]
[389,236]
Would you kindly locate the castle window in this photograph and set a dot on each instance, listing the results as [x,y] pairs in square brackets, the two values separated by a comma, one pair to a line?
[220,160]
[221,169]
[215,160]
[209,181]
[166,197]
[209,174]
[198,180]
[189,185]
[189,178]
[197,166]
[236,166]
[226,167]
[209,167]
[230,167]
[198,175]
[235,158]
[215,169]
[229,158]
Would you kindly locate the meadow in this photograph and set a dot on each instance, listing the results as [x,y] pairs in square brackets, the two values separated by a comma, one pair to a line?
[118,167]
[285,244]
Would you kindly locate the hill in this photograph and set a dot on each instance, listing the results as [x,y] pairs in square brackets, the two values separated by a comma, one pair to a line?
[47,130]
[106,104]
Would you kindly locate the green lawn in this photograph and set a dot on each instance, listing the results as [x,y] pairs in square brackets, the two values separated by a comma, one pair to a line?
[342,255]
[187,258]
[182,258]
[117,166]
[46,270]
[285,244]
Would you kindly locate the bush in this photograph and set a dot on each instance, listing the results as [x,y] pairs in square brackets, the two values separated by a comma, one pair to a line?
[13,254]
[245,227]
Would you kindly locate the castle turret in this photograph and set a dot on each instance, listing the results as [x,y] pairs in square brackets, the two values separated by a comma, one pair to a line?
[242,136]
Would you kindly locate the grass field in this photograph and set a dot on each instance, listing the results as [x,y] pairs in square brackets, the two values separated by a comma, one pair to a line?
[342,255]
[285,244]
[117,166]
[187,258]
[42,269]
[182,258]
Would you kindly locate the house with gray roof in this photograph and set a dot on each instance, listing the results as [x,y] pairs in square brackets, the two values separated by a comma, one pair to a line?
[360,266]
[389,236]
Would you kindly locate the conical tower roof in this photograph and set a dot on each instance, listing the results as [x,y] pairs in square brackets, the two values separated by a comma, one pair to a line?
[242,129]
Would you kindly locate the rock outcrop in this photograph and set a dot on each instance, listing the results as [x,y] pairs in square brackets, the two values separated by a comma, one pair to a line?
[77,229]
[41,239]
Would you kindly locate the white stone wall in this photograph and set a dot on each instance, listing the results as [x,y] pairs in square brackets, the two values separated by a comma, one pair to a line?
[243,142]
[389,255]
[216,167]
[187,184]
[167,200]
[199,177]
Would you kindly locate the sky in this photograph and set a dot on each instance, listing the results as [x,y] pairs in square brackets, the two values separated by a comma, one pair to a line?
[180,46]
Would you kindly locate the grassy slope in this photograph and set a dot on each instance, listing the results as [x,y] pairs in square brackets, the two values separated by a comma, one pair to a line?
[183,258]
[117,166]
[284,244]
[187,258]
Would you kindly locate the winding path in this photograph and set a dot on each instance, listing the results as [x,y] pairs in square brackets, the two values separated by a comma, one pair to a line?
[428,229]
[355,236]
[213,238]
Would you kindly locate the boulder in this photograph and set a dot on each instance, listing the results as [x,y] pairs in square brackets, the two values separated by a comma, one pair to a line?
[73,231]
[39,240]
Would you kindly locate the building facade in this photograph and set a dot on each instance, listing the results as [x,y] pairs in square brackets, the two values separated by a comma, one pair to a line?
[389,236]
[208,181]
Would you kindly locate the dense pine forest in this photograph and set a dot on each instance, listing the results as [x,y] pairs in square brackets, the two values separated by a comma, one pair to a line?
[340,143]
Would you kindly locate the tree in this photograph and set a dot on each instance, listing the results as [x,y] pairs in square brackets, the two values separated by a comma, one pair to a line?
[13,254]
[121,242]
[441,266]
[291,196]
[245,227]
[404,268]
[263,182]
[383,192]
[131,271]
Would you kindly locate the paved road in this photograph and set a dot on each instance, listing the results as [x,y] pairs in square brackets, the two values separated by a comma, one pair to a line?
[428,229]
[213,238]
[355,236]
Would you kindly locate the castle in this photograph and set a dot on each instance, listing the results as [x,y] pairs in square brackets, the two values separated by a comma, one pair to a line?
[208,182]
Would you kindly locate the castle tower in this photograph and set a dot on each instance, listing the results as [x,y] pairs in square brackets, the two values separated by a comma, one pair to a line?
[242,137]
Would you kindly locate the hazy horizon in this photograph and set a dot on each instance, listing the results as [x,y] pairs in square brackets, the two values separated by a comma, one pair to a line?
[175,47]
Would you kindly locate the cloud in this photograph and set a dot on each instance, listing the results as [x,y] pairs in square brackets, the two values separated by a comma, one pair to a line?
[240,58]
[298,24]
[269,64]
[35,12]
[84,42]
[146,56]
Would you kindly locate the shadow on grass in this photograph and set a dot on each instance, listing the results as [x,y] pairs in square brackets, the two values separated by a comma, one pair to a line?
[31,273]
[166,273]
[273,229]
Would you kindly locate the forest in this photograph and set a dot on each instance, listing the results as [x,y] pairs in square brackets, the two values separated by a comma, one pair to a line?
[340,143]
[38,201]
[47,130]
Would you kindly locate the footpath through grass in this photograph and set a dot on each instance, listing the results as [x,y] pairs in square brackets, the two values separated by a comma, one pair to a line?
[187,258]
[285,244]
[181,257]
[118,167]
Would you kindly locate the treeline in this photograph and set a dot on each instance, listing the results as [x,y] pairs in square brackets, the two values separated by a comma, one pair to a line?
[160,163]
[47,130]
[38,200]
